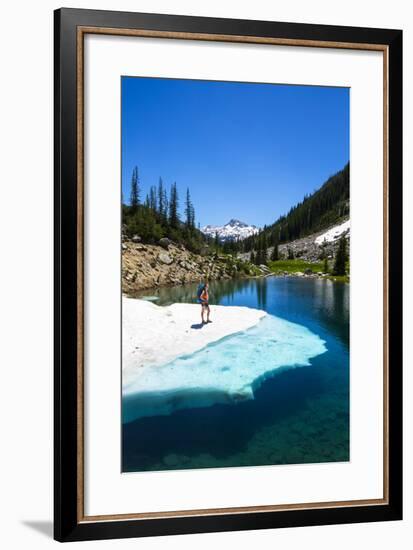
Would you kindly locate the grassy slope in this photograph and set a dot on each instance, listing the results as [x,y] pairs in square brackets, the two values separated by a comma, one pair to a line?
[294,266]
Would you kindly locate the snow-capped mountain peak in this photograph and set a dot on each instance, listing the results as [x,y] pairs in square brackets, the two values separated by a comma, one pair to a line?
[236,223]
[233,230]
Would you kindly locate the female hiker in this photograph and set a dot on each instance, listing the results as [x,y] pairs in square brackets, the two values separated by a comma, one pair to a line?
[203,299]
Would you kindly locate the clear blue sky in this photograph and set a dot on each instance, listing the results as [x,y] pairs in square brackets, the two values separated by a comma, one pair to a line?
[246,151]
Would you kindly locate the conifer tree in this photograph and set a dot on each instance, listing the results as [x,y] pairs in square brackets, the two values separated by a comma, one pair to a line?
[323,249]
[135,190]
[252,257]
[189,212]
[161,200]
[152,198]
[341,257]
[216,240]
[261,253]
[173,207]
[274,253]
[264,251]
[192,216]
[165,205]
[258,256]
[325,264]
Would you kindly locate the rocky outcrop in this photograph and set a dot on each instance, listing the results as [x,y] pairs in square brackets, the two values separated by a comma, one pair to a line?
[148,266]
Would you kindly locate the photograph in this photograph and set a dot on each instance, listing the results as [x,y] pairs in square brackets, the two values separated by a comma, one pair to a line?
[235,253]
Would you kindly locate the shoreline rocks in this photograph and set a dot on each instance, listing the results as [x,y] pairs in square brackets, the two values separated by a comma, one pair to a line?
[167,263]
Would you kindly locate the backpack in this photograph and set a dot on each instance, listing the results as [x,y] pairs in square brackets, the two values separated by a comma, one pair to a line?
[200,291]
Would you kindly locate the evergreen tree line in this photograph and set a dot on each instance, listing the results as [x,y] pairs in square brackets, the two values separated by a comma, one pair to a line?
[340,259]
[260,256]
[316,212]
[158,215]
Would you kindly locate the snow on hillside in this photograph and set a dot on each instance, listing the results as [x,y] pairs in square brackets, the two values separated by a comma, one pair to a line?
[233,230]
[333,233]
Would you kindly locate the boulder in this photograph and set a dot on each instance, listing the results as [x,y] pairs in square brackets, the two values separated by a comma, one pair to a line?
[185,265]
[165,242]
[165,258]
[136,239]
[308,271]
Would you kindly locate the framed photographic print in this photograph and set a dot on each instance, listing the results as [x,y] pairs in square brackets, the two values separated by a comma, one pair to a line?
[228,252]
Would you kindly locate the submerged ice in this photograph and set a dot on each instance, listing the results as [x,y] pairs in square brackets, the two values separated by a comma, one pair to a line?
[226,371]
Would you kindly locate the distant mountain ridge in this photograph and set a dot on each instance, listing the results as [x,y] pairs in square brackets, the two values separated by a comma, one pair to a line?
[234,230]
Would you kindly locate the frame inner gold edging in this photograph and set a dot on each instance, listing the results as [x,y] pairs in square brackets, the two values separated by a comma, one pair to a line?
[81,32]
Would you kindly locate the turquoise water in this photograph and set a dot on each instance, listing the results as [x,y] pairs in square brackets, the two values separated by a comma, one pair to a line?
[226,371]
[275,414]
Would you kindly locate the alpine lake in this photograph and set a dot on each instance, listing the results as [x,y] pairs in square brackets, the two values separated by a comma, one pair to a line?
[298,415]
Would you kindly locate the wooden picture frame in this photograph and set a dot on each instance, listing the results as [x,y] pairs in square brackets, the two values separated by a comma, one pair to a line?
[71,26]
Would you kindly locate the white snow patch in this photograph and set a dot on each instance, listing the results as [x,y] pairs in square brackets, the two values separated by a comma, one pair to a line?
[154,335]
[223,362]
[333,233]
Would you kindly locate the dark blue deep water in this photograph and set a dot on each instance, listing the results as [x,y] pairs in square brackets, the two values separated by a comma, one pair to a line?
[300,415]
